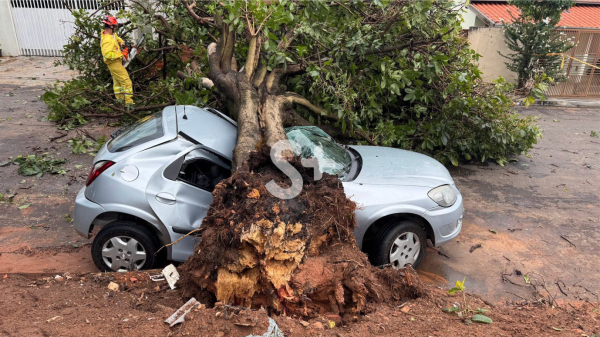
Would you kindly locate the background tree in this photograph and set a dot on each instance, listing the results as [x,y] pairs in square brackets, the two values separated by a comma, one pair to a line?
[532,35]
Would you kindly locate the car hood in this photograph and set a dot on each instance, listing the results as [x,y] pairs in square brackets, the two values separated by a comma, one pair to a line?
[388,166]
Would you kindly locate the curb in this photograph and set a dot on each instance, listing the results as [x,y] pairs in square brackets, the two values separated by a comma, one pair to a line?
[568,103]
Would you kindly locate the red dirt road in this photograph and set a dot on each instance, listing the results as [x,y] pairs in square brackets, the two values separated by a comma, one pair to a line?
[35,305]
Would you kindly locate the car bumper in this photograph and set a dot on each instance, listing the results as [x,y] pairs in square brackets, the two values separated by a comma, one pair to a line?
[446,222]
[85,213]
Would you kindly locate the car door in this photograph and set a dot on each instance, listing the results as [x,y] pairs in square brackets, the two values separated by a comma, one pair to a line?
[180,194]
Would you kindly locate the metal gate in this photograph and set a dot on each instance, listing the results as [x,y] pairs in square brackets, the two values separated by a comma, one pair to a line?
[43,27]
[583,80]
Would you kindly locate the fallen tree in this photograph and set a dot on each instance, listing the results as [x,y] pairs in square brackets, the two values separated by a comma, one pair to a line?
[395,73]
[295,256]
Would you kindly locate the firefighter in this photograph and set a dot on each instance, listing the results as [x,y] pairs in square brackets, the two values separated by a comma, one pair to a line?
[111,52]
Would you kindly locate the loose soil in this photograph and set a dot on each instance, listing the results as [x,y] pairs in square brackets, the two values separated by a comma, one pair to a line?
[82,305]
[296,256]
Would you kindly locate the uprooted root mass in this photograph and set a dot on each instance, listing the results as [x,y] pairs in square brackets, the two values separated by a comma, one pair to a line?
[296,256]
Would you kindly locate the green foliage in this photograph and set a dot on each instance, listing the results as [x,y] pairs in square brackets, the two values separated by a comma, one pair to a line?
[593,134]
[427,95]
[72,102]
[83,145]
[34,165]
[532,36]
[462,310]
[7,197]
[458,286]
[400,71]
[479,318]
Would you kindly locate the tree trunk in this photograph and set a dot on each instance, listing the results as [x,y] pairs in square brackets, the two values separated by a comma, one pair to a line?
[288,255]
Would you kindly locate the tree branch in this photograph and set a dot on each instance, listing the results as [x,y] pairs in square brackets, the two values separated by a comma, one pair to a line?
[253,56]
[293,98]
[161,18]
[259,74]
[204,81]
[225,48]
[196,17]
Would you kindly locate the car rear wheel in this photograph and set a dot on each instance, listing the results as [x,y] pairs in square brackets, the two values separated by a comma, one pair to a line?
[400,243]
[124,246]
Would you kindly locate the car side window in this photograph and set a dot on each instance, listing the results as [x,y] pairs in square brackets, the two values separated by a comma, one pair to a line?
[202,173]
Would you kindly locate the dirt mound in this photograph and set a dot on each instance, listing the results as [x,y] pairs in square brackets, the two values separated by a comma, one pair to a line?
[295,256]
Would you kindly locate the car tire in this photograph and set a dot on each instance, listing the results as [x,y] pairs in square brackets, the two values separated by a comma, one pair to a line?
[114,250]
[410,236]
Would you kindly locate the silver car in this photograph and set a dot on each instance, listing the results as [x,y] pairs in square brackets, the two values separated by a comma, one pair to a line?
[152,183]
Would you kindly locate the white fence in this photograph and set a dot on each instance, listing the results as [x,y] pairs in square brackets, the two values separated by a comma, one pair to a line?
[43,27]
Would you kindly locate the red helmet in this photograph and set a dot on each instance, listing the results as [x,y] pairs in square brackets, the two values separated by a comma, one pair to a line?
[110,20]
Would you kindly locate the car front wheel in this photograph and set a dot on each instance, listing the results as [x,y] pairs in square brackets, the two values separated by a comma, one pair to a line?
[124,246]
[403,242]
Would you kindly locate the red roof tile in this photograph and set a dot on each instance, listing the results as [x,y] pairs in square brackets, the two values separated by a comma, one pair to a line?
[579,16]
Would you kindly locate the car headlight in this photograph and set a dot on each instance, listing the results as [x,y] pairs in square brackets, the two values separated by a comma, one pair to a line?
[443,195]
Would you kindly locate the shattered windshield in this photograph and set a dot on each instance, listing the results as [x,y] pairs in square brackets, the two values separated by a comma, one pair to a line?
[312,142]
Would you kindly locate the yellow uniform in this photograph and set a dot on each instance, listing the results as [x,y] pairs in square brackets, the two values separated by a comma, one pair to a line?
[111,52]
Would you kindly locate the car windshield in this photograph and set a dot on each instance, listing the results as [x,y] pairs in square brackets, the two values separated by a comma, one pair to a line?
[142,131]
[312,142]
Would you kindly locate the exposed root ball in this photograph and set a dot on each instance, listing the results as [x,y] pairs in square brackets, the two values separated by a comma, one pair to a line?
[297,256]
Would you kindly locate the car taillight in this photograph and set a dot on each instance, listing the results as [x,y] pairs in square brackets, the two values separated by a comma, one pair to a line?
[98,168]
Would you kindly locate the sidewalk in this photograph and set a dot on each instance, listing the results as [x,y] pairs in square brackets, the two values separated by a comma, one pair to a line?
[34,71]
[571,102]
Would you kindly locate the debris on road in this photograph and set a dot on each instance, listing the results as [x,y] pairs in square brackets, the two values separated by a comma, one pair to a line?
[272,331]
[113,286]
[571,243]
[171,275]
[474,247]
[179,315]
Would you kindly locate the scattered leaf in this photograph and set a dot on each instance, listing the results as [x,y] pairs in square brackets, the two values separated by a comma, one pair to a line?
[526,278]
[493,231]
[556,329]
[479,318]
[24,206]
[4,163]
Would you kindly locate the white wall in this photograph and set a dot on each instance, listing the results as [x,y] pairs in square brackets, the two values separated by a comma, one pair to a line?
[469,19]
[487,42]
[8,38]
